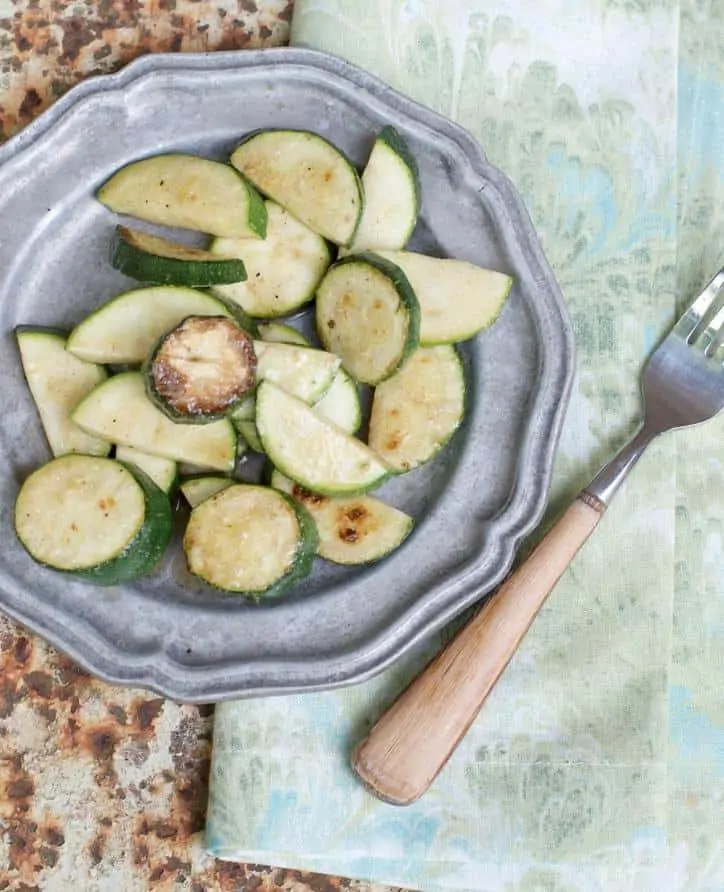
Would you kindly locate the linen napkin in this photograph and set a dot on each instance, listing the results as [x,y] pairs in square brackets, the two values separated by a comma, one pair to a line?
[598,761]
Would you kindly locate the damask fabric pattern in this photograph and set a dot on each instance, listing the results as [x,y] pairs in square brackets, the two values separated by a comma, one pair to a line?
[597,764]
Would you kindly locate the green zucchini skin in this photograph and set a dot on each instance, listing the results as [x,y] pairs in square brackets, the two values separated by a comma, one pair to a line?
[389,135]
[146,550]
[143,552]
[407,297]
[132,260]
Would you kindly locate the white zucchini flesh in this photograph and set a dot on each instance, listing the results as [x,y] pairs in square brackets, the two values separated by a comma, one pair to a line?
[457,299]
[352,530]
[120,411]
[162,471]
[58,381]
[341,404]
[280,333]
[78,512]
[243,539]
[187,192]
[308,176]
[126,328]
[199,489]
[391,200]
[282,271]
[301,371]
[418,409]
[310,450]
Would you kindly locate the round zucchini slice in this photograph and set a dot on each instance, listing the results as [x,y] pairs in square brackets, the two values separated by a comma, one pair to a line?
[94,517]
[417,411]
[150,258]
[367,313]
[201,370]
[251,540]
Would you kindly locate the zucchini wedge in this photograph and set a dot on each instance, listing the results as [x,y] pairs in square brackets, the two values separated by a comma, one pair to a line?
[280,333]
[150,258]
[417,411]
[341,405]
[248,431]
[187,192]
[307,176]
[310,450]
[391,183]
[368,314]
[251,540]
[198,489]
[283,271]
[301,371]
[162,471]
[58,381]
[355,530]
[125,329]
[94,517]
[245,411]
[120,411]
[457,299]
[201,370]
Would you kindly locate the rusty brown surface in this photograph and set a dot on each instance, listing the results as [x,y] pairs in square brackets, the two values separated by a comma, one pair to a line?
[104,787]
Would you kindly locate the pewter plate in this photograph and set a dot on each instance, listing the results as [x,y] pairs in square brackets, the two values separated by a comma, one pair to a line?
[473,504]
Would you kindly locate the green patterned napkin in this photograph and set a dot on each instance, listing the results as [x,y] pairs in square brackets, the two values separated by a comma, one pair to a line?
[598,762]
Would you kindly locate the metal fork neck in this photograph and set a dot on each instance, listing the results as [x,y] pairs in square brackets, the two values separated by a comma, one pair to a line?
[604,485]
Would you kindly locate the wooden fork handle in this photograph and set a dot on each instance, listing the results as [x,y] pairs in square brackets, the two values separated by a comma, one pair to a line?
[409,745]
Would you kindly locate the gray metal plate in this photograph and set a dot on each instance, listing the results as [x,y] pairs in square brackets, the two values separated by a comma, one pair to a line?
[472,504]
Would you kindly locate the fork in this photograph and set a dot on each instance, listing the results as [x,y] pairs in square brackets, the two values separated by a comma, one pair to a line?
[683,384]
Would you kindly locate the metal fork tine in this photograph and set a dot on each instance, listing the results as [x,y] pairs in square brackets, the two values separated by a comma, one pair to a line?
[691,319]
[708,339]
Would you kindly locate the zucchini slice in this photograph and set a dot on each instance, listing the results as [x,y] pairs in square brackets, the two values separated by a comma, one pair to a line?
[279,333]
[368,314]
[150,258]
[248,431]
[415,412]
[198,489]
[94,517]
[251,540]
[457,299]
[391,185]
[355,530]
[245,411]
[308,176]
[283,271]
[162,471]
[120,411]
[58,381]
[301,371]
[341,405]
[125,329]
[201,370]
[187,192]
[312,451]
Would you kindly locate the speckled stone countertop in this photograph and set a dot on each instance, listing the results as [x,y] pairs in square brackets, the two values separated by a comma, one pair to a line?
[104,788]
